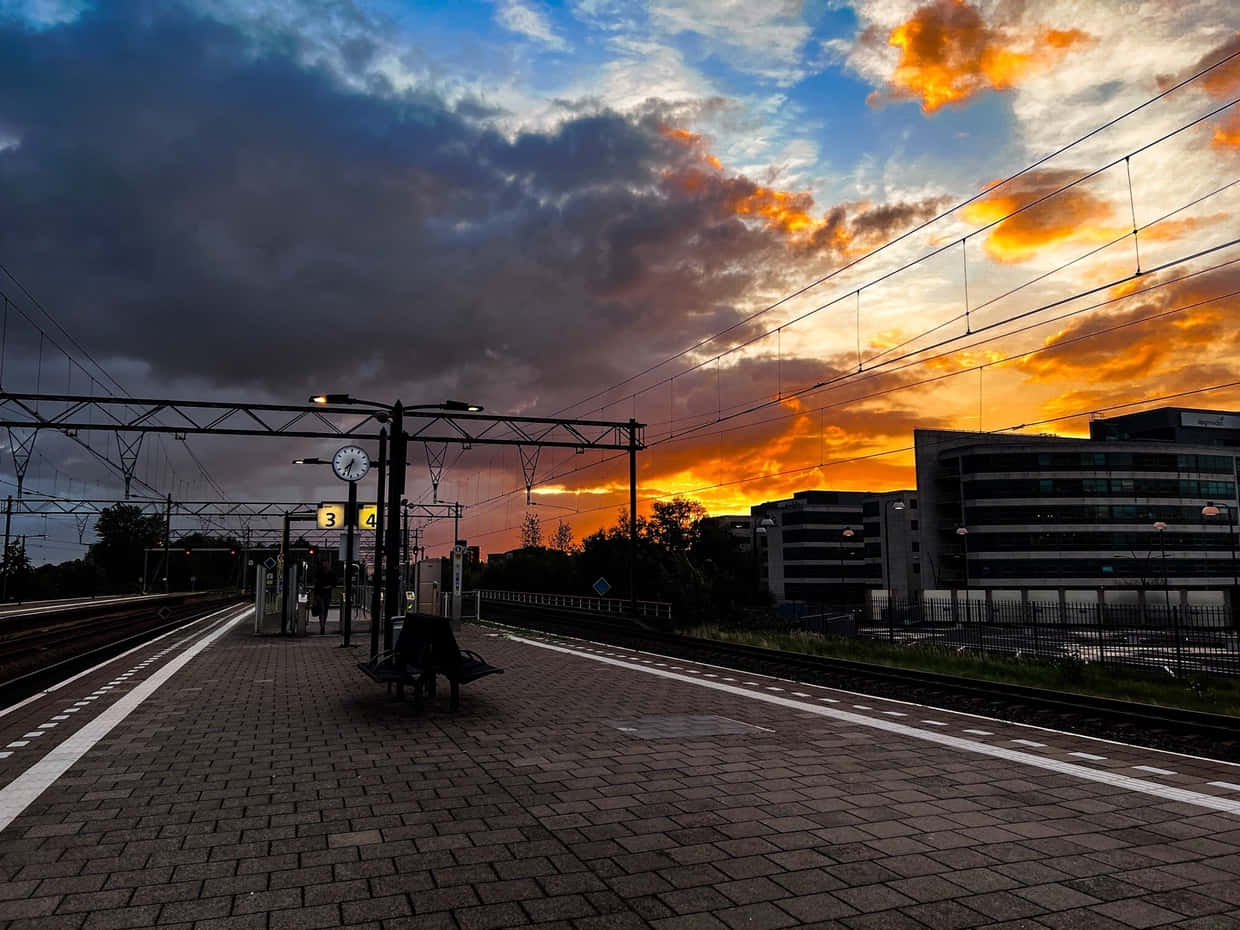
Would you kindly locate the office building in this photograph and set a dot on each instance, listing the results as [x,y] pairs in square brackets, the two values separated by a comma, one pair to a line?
[834,546]
[1132,510]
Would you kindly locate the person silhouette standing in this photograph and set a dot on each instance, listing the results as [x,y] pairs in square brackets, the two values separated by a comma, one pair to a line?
[324,584]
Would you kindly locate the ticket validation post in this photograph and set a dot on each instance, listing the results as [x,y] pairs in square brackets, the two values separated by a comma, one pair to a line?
[350,463]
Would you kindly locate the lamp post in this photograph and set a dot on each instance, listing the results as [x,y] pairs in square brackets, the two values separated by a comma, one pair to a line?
[846,534]
[762,543]
[1213,510]
[963,533]
[394,413]
[897,506]
[1161,527]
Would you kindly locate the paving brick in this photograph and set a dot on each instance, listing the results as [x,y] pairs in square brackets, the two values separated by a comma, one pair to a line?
[305,918]
[490,917]
[693,900]
[122,918]
[757,917]
[564,907]
[28,907]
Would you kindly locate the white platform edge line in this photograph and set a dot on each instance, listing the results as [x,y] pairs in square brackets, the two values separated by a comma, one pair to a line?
[1163,792]
[18,794]
[52,689]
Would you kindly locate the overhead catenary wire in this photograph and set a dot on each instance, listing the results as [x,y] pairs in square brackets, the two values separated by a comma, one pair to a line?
[882,453]
[911,361]
[939,250]
[911,232]
[969,310]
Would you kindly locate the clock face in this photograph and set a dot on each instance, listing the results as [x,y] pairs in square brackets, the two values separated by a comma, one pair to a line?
[350,463]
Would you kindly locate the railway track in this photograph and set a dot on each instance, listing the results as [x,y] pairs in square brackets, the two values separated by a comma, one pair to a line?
[40,649]
[1208,735]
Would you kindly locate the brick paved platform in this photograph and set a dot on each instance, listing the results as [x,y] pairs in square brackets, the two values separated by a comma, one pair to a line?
[269,784]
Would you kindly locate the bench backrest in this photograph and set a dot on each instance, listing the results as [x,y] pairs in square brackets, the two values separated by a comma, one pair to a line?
[426,639]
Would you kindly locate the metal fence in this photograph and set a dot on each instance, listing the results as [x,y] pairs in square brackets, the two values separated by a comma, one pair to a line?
[1180,641]
[598,605]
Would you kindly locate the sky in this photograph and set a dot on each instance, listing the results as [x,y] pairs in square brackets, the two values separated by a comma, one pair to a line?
[783,235]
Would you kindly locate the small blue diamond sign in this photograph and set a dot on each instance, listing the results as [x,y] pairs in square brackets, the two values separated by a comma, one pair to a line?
[270,563]
[601,586]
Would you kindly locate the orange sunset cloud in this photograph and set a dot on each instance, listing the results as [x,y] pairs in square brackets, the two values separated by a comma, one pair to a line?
[846,229]
[1076,216]
[948,54]
[1222,83]
[1120,354]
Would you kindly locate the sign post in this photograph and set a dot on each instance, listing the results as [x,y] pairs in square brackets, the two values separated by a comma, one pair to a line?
[458,559]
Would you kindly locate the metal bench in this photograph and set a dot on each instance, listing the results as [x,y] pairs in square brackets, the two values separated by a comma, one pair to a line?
[424,650]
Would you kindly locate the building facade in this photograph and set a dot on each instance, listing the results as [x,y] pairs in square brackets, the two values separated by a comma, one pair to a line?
[1121,515]
[833,547]
[1145,512]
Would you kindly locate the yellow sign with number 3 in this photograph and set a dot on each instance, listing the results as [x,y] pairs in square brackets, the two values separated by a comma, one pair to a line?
[330,517]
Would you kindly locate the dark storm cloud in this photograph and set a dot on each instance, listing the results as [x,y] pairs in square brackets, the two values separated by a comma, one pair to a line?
[184,193]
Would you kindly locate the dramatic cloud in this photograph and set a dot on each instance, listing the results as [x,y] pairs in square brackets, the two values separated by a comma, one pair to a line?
[846,230]
[528,21]
[239,221]
[948,54]
[1126,348]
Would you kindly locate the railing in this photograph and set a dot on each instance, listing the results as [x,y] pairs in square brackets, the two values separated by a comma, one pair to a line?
[597,605]
[1180,641]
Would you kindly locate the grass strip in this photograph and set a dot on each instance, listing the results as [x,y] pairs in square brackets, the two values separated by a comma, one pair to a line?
[1207,694]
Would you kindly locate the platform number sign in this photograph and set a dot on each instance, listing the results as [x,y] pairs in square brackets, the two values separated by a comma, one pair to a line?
[333,517]
[330,517]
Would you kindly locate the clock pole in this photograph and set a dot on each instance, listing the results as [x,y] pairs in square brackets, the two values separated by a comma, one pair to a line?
[350,517]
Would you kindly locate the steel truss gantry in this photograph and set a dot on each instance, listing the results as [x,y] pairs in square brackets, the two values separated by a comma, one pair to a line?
[131,418]
[72,413]
[213,510]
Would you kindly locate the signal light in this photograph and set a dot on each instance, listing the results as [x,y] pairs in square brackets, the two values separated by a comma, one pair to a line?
[187,552]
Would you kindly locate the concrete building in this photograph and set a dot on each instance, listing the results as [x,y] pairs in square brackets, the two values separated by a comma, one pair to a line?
[1135,514]
[739,526]
[1144,512]
[834,547]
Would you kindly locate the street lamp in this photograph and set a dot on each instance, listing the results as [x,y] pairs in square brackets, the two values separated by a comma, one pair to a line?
[1213,510]
[847,533]
[963,533]
[458,406]
[897,506]
[397,444]
[761,550]
[1161,527]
